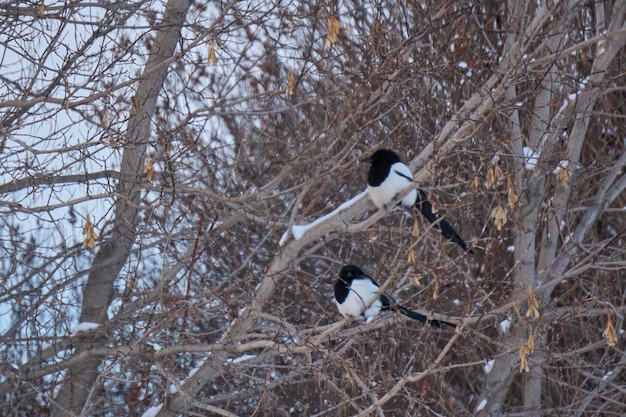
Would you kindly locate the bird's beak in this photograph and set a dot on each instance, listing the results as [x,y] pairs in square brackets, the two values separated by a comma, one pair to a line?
[367,160]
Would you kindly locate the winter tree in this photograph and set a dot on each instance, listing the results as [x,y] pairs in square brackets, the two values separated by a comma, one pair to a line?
[173,207]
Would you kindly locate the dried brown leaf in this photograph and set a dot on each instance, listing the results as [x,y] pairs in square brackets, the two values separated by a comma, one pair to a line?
[147,167]
[533,304]
[512,197]
[332,31]
[411,256]
[609,333]
[291,83]
[90,234]
[523,357]
[475,184]
[415,231]
[211,57]
[562,176]
[490,181]
[416,279]
[498,215]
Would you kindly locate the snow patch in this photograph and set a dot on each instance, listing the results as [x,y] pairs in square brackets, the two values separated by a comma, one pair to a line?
[83,327]
[283,238]
[152,411]
[505,325]
[194,371]
[607,375]
[563,107]
[197,368]
[496,158]
[240,358]
[298,230]
[215,303]
[562,165]
[488,366]
[114,307]
[481,405]
[583,84]
[530,158]
[155,346]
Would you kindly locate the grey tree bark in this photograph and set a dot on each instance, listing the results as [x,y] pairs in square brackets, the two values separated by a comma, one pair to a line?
[78,382]
[542,265]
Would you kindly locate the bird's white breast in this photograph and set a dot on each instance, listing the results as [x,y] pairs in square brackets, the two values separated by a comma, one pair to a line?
[397,180]
[361,292]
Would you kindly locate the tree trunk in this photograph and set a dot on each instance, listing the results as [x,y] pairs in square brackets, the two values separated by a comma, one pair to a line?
[79,381]
[538,264]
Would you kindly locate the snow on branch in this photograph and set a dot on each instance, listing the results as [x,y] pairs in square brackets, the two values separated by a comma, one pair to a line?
[83,327]
[298,230]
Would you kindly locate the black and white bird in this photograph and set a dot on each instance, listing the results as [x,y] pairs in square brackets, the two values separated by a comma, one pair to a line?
[354,290]
[388,176]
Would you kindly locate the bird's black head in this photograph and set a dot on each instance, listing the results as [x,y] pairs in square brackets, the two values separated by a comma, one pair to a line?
[381,161]
[383,157]
[349,272]
[342,286]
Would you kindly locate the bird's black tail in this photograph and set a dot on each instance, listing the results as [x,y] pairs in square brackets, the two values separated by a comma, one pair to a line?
[422,318]
[426,208]
[390,304]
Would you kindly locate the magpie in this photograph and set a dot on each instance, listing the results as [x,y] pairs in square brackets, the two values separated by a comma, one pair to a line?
[354,290]
[388,176]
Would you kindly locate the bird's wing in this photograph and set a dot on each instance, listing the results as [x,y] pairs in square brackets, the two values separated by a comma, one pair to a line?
[403,172]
